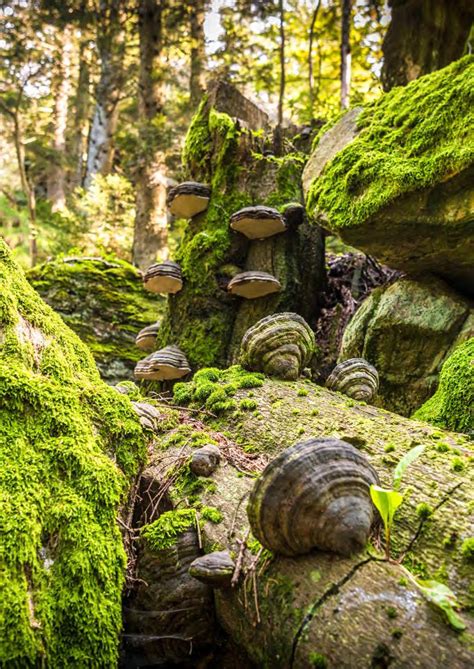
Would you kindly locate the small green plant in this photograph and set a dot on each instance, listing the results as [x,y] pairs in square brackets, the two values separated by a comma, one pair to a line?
[386,500]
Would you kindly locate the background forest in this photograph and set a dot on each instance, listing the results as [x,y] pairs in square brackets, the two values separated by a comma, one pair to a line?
[97,95]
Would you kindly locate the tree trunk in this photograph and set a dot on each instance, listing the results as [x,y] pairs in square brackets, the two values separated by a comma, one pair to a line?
[345,53]
[281,95]
[151,231]
[203,319]
[310,57]
[424,36]
[111,48]
[198,51]
[57,175]
[81,116]
[361,611]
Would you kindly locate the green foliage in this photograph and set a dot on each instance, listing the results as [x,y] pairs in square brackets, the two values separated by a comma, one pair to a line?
[212,514]
[424,511]
[404,463]
[467,549]
[442,597]
[452,404]
[248,404]
[69,447]
[162,534]
[410,138]
[317,660]
[214,388]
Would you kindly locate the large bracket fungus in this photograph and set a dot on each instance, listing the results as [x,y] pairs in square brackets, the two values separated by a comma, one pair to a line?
[253,284]
[165,277]
[356,378]
[188,199]
[167,364]
[146,338]
[258,222]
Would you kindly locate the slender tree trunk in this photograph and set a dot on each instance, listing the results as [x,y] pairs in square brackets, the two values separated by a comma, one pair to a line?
[151,232]
[26,186]
[310,56]
[57,174]
[111,47]
[81,116]
[282,62]
[198,51]
[345,53]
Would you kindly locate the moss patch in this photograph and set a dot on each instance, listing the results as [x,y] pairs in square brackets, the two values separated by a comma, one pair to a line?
[163,532]
[104,302]
[409,139]
[69,447]
[451,405]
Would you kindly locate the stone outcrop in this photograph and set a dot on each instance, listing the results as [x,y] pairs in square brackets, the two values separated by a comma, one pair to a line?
[400,186]
[406,330]
[321,609]
[105,303]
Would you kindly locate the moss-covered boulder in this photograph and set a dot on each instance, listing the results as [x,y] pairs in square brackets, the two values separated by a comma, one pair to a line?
[70,447]
[452,406]
[406,330]
[320,609]
[402,188]
[104,302]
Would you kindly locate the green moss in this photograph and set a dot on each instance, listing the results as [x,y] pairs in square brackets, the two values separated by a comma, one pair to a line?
[317,660]
[162,534]
[457,465]
[410,138]
[189,488]
[214,388]
[389,448]
[104,302]
[451,405]
[212,514]
[391,612]
[248,404]
[69,448]
[302,392]
[424,511]
[467,549]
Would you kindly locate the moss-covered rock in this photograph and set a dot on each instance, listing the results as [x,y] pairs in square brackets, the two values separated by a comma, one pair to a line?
[69,448]
[104,302]
[291,612]
[402,190]
[452,406]
[406,330]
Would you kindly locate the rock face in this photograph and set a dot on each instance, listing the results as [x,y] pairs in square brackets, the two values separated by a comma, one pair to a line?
[402,189]
[104,303]
[452,406]
[406,331]
[321,609]
[70,447]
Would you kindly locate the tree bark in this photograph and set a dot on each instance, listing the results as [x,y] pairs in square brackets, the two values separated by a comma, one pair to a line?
[345,53]
[57,176]
[424,36]
[198,51]
[151,231]
[111,48]
[351,612]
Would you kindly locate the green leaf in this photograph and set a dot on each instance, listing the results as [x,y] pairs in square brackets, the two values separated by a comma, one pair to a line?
[386,502]
[407,459]
[444,598]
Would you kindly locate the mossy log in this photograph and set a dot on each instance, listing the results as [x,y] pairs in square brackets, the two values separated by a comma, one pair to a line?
[70,447]
[240,164]
[322,610]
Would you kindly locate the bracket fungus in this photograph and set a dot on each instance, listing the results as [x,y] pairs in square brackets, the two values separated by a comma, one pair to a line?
[214,569]
[167,364]
[165,277]
[258,222]
[253,284]
[315,494]
[146,338]
[355,378]
[279,345]
[148,415]
[188,199]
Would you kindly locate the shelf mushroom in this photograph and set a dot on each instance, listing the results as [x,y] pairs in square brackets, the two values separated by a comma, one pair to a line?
[146,338]
[165,277]
[258,222]
[215,569]
[167,364]
[188,199]
[253,284]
